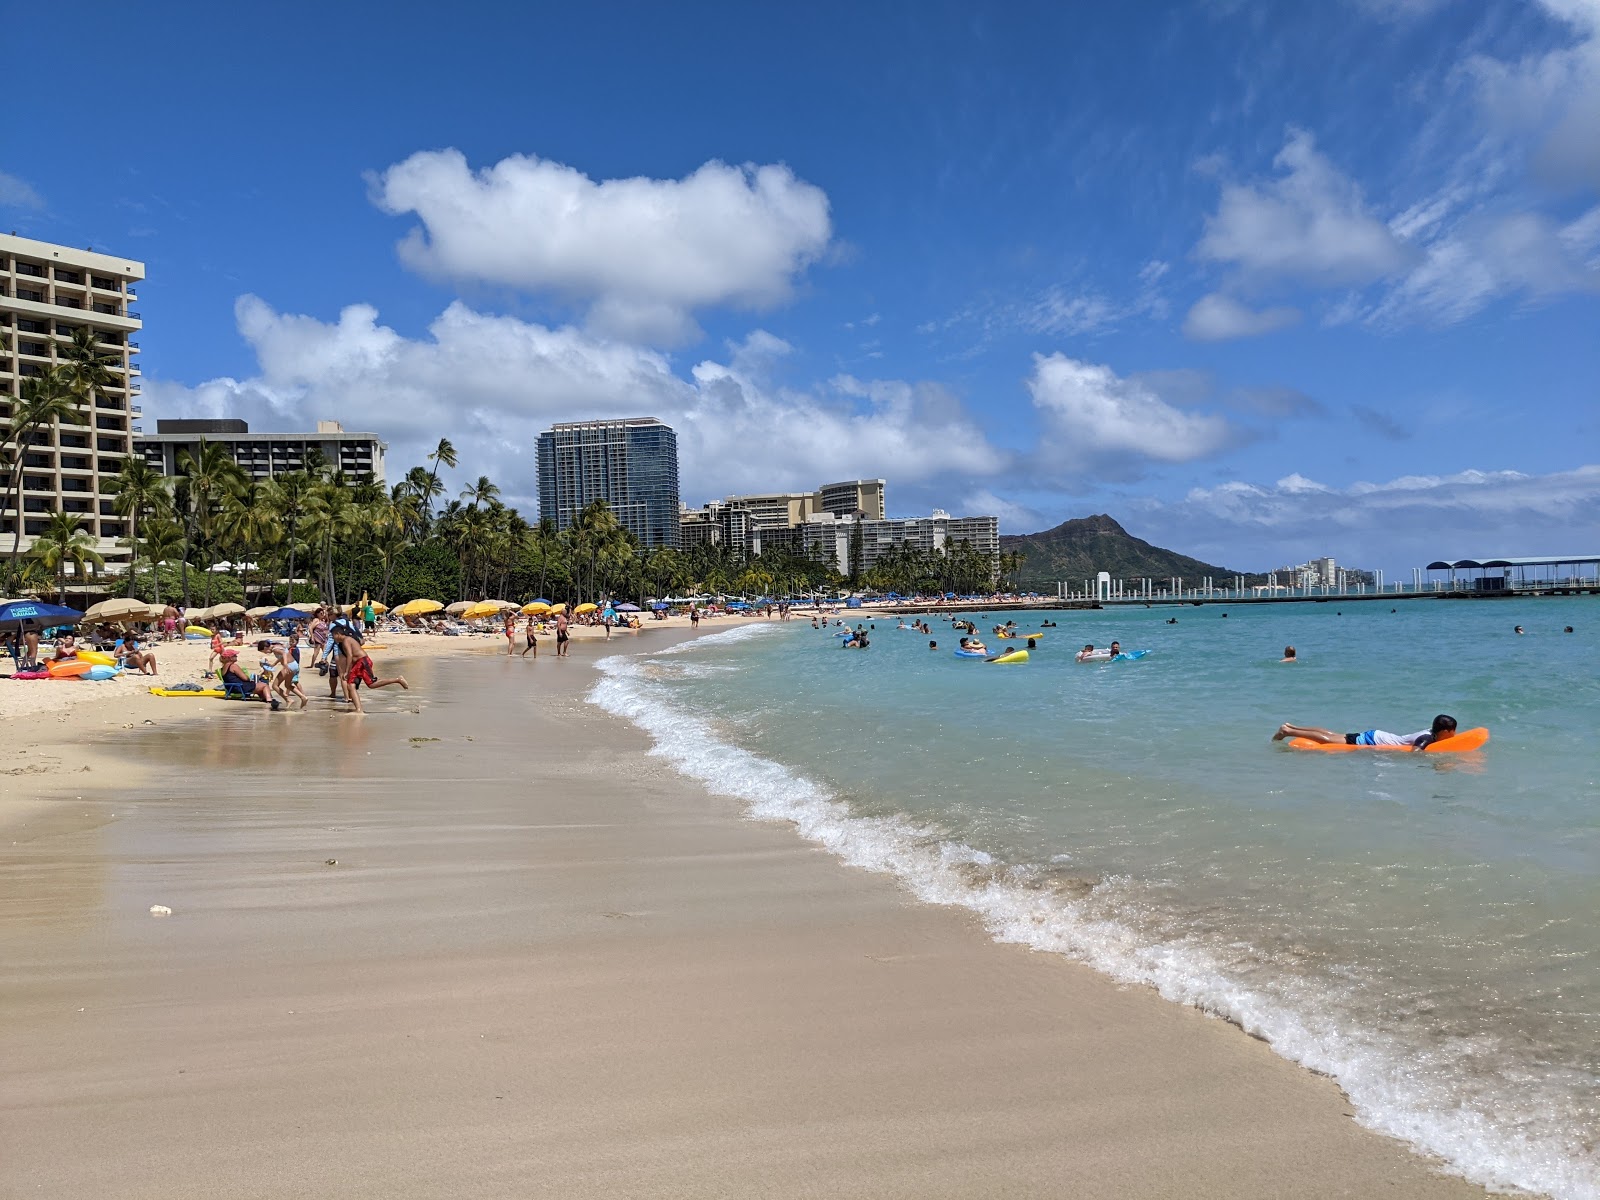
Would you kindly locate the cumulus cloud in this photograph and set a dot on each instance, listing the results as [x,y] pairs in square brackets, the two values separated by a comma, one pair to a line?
[491,383]
[1217,318]
[1310,223]
[641,255]
[1394,524]
[18,193]
[1093,419]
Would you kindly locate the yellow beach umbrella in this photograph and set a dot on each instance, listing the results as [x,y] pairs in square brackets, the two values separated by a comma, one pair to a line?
[583,608]
[419,608]
[478,611]
[537,609]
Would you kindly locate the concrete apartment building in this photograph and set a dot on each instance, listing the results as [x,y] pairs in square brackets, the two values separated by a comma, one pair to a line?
[264,455]
[630,463]
[46,293]
[827,537]
[731,520]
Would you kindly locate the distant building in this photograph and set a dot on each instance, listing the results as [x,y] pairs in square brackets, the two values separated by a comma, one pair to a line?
[631,464]
[47,292]
[827,538]
[264,455]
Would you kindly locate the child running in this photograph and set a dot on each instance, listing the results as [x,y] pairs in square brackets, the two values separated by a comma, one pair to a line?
[360,671]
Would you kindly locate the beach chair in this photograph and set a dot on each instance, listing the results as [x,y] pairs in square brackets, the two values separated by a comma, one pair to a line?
[236,689]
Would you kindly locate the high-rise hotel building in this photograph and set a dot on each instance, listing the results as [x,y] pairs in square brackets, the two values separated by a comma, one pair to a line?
[631,464]
[46,293]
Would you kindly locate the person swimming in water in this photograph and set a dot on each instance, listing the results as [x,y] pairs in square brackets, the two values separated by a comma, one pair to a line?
[1443,727]
[1288,655]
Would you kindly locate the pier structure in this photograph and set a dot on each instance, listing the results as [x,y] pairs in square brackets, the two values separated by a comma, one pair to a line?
[1464,578]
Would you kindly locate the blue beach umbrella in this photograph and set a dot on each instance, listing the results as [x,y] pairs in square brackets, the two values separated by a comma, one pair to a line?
[540,600]
[627,608]
[36,612]
[286,614]
[660,604]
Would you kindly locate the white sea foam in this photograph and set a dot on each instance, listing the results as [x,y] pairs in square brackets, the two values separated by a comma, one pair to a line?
[1404,1091]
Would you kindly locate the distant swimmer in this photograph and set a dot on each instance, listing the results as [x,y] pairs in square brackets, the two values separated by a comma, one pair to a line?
[932,645]
[1520,630]
[1568,629]
[1442,728]
[1172,620]
[1288,655]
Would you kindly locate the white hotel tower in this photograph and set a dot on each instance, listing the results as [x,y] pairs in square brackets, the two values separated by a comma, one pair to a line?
[46,293]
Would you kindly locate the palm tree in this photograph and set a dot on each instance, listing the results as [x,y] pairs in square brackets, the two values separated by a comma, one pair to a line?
[481,492]
[331,517]
[208,479]
[250,521]
[64,541]
[83,368]
[140,490]
[290,495]
[424,489]
[444,453]
[163,541]
[543,538]
[47,400]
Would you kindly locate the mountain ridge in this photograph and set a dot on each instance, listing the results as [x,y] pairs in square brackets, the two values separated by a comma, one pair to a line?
[1080,547]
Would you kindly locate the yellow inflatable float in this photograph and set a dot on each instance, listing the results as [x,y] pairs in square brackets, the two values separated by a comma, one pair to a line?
[96,658]
[1012,656]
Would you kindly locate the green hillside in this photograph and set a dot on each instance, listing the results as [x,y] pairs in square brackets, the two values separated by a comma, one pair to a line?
[1075,550]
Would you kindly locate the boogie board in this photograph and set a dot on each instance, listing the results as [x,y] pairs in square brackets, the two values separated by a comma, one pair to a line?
[1464,739]
[1130,655]
[1014,656]
[971,653]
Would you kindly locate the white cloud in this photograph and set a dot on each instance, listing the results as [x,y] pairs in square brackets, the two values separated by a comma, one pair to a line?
[18,193]
[1398,523]
[1552,98]
[491,383]
[1217,317]
[1483,259]
[1310,223]
[1094,418]
[641,254]
[1014,517]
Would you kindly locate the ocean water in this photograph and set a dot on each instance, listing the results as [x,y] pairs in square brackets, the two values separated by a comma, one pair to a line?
[1421,927]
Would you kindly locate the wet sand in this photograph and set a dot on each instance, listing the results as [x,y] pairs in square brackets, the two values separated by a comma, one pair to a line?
[543,964]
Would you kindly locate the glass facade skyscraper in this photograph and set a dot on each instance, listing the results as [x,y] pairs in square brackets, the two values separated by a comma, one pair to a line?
[631,464]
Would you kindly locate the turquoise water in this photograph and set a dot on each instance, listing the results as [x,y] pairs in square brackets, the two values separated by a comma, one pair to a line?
[1421,927]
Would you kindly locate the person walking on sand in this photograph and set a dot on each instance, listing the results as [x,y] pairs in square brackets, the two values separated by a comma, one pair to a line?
[533,622]
[511,632]
[319,635]
[1443,727]
[562,638]
[359,672]
[694,618]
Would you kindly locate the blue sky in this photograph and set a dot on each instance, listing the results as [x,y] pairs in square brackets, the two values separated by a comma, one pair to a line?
[1263,281]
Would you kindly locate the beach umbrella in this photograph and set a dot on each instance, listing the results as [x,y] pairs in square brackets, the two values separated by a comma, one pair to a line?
[117,610]
[228,609]
[585,608]
[305,608]
[419,608]
[660,604]
[261,610]
[537,609]
[459,607]
[627,608]
[284,614]
[477,612]
[542,600]
[36,612]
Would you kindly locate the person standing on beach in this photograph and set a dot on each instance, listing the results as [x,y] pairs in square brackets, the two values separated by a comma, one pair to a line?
[511,632]
[319,635]
[533,622]
[561,633]
[694,618]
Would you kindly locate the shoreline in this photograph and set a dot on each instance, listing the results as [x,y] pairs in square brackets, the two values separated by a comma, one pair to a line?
[661,995]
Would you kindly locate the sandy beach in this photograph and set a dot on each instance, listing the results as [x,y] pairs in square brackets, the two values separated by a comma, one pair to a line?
[480,943]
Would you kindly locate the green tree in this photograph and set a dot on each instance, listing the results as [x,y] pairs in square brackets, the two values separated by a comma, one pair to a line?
[65,541]
[443,453]
[140,492]
[207,479]
[47,401]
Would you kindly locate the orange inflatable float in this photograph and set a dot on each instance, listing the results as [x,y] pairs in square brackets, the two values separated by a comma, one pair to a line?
[1462,740]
